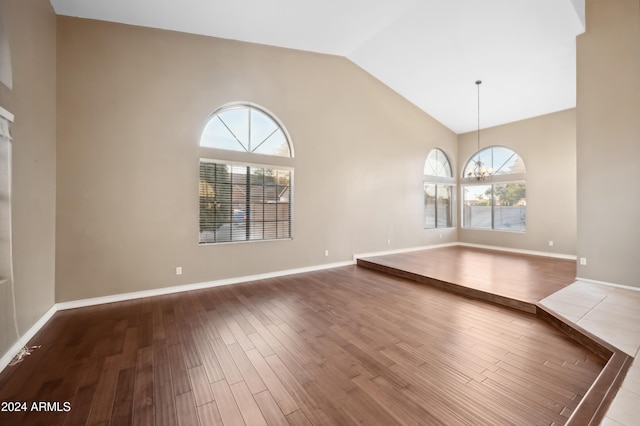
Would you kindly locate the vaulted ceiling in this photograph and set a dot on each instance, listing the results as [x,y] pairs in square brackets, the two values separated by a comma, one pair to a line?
[429,51]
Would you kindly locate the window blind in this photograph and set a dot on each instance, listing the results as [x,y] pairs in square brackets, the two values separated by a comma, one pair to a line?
[241,202]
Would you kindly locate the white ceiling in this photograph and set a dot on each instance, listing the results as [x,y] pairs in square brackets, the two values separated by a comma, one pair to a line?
[429,51]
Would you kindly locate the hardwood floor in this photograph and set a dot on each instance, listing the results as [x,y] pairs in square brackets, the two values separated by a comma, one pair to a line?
[509,279]
[342,346]
[519,281]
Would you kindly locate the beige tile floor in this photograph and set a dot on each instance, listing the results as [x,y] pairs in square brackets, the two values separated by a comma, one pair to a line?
[613,314]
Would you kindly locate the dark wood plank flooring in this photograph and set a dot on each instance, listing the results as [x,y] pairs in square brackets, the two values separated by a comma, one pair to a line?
[510,279]
[336,347]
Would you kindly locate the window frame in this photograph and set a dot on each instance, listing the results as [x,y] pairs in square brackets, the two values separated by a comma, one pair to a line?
[438,181]
[492,181]
[237,158]
[249,105]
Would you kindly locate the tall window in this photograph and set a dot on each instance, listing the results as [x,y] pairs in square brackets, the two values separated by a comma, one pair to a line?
[499,202]
[244,201]
[438,191]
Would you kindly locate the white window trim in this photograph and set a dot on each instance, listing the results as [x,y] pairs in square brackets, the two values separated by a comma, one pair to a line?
[257,165]
[233,158]
[499,179]
[442,180]
[496,179]
[6,118]
[240,104]
[6,114]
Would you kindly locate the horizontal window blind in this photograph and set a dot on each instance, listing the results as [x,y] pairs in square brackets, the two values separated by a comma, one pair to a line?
[244,202]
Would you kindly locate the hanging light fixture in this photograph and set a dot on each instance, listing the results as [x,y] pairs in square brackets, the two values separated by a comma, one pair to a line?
[478,171]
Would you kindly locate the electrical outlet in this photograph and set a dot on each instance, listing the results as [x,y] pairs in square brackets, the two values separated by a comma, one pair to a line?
[550,243]
[583,261]
[388,241]
[178,270]
[326,253]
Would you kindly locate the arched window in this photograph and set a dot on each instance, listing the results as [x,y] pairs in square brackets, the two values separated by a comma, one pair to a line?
[438,191]
[244,201]
[497,200]
[246,128]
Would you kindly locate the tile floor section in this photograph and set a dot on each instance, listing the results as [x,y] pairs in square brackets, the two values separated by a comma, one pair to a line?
[613,314]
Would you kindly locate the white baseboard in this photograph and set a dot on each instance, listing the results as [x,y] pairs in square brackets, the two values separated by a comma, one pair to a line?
[402,250]
[7,357]
[519,251]
[498,248]
[24,339]
[627,287]
[196,286]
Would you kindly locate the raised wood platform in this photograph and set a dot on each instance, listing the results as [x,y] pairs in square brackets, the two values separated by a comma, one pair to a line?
[510,279]
[517,281]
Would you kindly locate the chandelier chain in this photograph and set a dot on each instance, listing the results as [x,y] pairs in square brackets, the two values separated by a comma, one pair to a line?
[479,172]
[478,83]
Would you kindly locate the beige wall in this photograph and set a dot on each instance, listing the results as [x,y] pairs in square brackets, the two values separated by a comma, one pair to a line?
[548,146]
[608,142]
[131,104]
[132,101]
[31,29]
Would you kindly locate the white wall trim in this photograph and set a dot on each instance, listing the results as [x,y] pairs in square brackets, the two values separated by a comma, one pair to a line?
[196,286]
[403,250]
[498,248]
[24,339]
[531,252]
[6,114]
[7,357]
[627,287]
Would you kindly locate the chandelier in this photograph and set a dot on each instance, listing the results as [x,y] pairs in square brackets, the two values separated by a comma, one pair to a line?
[478,171]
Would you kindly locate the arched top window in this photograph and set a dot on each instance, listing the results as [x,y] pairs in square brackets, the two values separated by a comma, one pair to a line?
[438,191]
[494,191]
[246,128]
[498,162]
[437,164]
[241,199]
